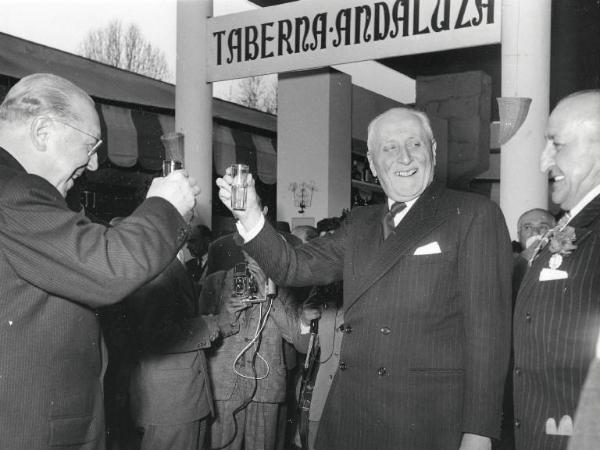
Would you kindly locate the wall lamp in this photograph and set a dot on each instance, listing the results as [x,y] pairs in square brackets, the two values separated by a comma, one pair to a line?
[302,193]
[512,111]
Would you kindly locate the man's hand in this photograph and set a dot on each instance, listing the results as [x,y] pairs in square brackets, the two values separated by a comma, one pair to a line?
[235,304]
[475,442]
[259,277]
[250,217]
[177,188]
[309,313]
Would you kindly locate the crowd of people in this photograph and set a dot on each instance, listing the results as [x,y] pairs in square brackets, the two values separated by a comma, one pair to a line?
[407,325]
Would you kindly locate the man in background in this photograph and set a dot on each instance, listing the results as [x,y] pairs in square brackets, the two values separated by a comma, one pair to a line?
[56,266]
[426,301]
[531,226]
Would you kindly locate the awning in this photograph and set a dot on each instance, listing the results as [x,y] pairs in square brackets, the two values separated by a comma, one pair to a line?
[133,136]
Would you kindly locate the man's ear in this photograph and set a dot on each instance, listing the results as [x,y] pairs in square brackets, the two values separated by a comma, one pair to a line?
[40,132]
[371,165]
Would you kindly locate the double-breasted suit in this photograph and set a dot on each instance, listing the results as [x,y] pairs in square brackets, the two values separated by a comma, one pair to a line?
[55,268]
[556,325]
[427,320]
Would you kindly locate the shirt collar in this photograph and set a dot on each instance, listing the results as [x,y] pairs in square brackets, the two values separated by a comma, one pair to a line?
[584,201]
[408,203]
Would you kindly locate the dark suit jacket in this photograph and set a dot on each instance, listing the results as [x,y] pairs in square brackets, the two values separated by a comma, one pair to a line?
[55,268]
[427,337]
[169,383]
[556,327]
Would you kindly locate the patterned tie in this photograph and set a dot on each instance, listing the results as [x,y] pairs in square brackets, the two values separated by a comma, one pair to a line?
[562,223]
[388,219]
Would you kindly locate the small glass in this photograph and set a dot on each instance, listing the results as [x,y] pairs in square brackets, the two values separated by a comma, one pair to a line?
[174,146]
[169,166]
[239,186]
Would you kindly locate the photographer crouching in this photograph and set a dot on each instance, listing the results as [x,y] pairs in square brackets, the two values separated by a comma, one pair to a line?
[247,370]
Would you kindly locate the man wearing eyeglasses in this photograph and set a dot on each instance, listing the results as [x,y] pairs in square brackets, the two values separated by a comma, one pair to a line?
[56,266]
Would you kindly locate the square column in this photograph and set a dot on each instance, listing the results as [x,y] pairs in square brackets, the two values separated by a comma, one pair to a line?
[314,135]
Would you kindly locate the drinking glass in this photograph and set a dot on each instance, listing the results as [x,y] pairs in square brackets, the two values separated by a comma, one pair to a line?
[174,145]
[239,186]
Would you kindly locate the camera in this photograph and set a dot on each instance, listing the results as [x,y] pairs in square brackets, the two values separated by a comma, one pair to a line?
[244,284]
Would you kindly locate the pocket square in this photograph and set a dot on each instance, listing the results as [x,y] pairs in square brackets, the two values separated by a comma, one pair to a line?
[552,274]
[565,426]
[430,249]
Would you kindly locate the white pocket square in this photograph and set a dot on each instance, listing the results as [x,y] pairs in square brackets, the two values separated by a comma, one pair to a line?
[430,249]
[552,274]
[565,426]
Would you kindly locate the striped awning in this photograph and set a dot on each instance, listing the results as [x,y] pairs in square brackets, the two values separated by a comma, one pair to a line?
[133,136]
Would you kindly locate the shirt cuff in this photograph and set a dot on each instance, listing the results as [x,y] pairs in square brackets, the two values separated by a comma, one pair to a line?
[248,235]
[304,329]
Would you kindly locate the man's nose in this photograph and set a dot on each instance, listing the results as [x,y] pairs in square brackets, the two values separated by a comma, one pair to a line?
[547,157]
[403,155]
[93,162]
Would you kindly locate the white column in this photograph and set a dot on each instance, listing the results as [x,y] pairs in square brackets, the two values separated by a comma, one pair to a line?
[525,73]
[314,125]
[193,99]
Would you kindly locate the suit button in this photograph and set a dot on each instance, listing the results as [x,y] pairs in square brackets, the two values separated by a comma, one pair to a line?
[517,423]
[342,328]
[528,317]
[348,329]
[343,365]
[385,330]
[382,371]
[517,371]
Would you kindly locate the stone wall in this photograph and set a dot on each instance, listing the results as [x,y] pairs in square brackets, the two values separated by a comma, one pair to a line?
[464,101]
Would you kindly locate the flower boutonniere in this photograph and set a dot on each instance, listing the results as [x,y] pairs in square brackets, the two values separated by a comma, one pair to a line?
[562,240]
[561,244]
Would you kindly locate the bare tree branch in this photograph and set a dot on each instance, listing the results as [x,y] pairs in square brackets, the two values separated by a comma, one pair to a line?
[126,49]
[259,93]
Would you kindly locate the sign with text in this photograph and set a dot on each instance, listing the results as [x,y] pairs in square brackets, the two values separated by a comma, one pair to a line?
[314,33]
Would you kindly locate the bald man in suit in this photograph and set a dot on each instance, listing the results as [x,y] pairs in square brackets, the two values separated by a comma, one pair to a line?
[557,312]
[427,301]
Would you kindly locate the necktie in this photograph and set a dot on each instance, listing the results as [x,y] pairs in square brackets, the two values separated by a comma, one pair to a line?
[388,219]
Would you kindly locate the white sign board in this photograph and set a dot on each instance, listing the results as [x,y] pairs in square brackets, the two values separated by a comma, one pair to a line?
[308,34]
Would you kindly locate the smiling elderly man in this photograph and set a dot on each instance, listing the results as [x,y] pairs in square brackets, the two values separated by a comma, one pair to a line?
[57,267]
[557,313]
[427,301]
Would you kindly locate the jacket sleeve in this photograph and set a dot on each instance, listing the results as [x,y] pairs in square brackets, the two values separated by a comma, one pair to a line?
[484,280]
[64,253]
[285,315]
[319,261]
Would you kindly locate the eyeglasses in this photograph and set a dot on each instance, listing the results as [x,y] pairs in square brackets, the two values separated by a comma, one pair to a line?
[94,148]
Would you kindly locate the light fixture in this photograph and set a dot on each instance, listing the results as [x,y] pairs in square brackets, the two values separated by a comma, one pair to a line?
[512,111]
[303,193]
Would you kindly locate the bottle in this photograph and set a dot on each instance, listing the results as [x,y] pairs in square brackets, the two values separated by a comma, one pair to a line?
[356,175]
[368,176]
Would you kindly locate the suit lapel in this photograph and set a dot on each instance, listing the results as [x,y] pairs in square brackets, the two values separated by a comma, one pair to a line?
[420,221]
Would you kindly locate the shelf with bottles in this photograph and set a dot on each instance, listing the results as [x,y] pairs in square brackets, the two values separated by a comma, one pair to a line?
[365,188]
[362,177]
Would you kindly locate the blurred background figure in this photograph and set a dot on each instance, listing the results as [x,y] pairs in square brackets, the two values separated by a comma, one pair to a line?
[305,232]
[197,244]
[324,302]
[248,370]
[531,226]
